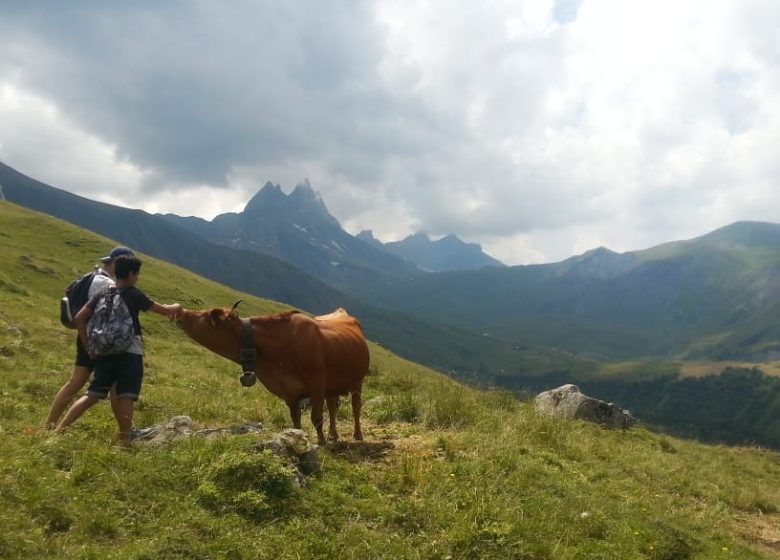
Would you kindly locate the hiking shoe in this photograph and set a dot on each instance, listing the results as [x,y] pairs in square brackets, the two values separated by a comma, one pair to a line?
[142,434]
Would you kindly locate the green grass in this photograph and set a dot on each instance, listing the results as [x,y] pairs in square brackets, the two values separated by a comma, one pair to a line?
[445,471]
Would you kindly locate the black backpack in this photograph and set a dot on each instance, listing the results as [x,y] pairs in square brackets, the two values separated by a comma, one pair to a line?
[76,295]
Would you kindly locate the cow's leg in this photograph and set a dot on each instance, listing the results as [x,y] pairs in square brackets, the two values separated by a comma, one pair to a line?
[317,405]
[295,413]
[356,405]
[333,407]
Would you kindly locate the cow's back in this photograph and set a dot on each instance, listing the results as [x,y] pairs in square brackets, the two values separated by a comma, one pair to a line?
[345,352]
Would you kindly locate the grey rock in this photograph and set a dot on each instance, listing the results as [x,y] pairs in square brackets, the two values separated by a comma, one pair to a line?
[294,446]
[567,401]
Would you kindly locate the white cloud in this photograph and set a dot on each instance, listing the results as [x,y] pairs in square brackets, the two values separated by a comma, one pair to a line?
[537,128]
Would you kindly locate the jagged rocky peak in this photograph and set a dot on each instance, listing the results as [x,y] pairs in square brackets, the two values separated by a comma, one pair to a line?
[303,205]
[268,195]
[368,236]
[417,238]
[309,204]
[452,240]
[304,189]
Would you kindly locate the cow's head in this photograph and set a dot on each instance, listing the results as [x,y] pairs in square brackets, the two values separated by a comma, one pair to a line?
[211,327]
[222,316]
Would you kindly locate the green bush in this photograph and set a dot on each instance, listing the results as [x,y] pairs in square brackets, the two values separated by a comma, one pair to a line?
[255,485]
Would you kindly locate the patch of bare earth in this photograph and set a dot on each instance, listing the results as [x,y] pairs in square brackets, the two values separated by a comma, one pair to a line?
[379,441]
[761,530]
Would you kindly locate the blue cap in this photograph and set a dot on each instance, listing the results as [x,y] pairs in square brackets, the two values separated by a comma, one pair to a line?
[116,252]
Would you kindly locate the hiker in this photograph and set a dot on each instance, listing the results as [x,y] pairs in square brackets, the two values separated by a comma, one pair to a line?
[103,278]
[124,369]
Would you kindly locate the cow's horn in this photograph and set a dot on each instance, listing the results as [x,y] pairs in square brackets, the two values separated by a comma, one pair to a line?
[233,309]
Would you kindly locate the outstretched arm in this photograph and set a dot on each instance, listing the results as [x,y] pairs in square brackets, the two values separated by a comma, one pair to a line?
[171,310]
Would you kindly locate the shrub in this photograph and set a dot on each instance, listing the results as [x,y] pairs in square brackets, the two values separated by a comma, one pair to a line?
[255,485]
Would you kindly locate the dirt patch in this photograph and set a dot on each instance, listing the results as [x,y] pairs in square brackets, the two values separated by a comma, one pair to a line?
[761,530]
[359,451]
[381,440]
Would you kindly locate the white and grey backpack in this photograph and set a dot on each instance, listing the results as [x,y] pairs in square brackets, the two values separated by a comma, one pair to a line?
[110,328]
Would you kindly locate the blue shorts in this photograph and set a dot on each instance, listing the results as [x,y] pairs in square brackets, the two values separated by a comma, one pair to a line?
[125,369]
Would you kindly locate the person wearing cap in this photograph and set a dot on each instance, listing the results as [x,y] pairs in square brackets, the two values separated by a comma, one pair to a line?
[121,372]
[103,279]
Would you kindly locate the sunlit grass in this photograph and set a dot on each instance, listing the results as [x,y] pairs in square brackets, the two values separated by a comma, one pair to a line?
[445,471]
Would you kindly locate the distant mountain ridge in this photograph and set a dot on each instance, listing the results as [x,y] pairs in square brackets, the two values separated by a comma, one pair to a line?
[442,255]
[713,297]
[716,296]
[299,229]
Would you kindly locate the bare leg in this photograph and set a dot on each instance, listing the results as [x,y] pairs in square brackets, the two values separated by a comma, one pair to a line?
[114,401]
[356,406]
[333,407]
[124,418]
[78,378]
[74,413]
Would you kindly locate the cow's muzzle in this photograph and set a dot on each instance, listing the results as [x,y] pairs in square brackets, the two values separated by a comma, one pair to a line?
[248,378]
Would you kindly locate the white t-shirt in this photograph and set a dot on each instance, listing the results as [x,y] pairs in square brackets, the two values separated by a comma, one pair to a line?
[100,283]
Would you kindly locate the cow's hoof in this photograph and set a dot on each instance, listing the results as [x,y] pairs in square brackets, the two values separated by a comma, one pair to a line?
[248,378]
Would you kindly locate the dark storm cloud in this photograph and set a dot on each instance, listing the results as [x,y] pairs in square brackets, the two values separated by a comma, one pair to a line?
[192,89]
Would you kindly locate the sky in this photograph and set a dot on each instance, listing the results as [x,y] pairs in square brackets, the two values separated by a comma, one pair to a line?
[539,129]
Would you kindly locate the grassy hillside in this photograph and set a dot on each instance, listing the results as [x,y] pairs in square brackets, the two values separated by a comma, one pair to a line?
[707,298]
[445,472]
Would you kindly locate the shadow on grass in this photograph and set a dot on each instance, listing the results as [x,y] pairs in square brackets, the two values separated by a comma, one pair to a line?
[359,451]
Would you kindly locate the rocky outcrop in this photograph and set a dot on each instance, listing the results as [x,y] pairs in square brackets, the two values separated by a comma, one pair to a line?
[568,402]
[182,427]
[295,448]
[292,446]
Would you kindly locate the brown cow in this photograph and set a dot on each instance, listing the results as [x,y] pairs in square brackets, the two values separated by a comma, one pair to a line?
[297,357]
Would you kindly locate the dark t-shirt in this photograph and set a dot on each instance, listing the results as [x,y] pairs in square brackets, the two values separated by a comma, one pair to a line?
[135,300]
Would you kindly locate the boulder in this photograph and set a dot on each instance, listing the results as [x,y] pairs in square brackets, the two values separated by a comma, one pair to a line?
[295,448]
[569,402]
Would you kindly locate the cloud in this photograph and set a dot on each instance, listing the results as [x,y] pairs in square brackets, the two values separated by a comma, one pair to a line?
[537,128]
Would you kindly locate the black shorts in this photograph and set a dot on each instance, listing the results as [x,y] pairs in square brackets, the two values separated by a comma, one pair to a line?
[82,356]
[125,369]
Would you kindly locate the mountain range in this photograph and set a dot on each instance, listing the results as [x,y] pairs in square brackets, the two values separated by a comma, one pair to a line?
[446,254]
[424,340]
[713,297]
[299,229]
[616,324]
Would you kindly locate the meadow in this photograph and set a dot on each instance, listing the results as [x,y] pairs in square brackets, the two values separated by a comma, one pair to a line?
[446,471]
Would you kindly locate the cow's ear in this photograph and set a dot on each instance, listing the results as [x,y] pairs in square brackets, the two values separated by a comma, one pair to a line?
[215,316]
